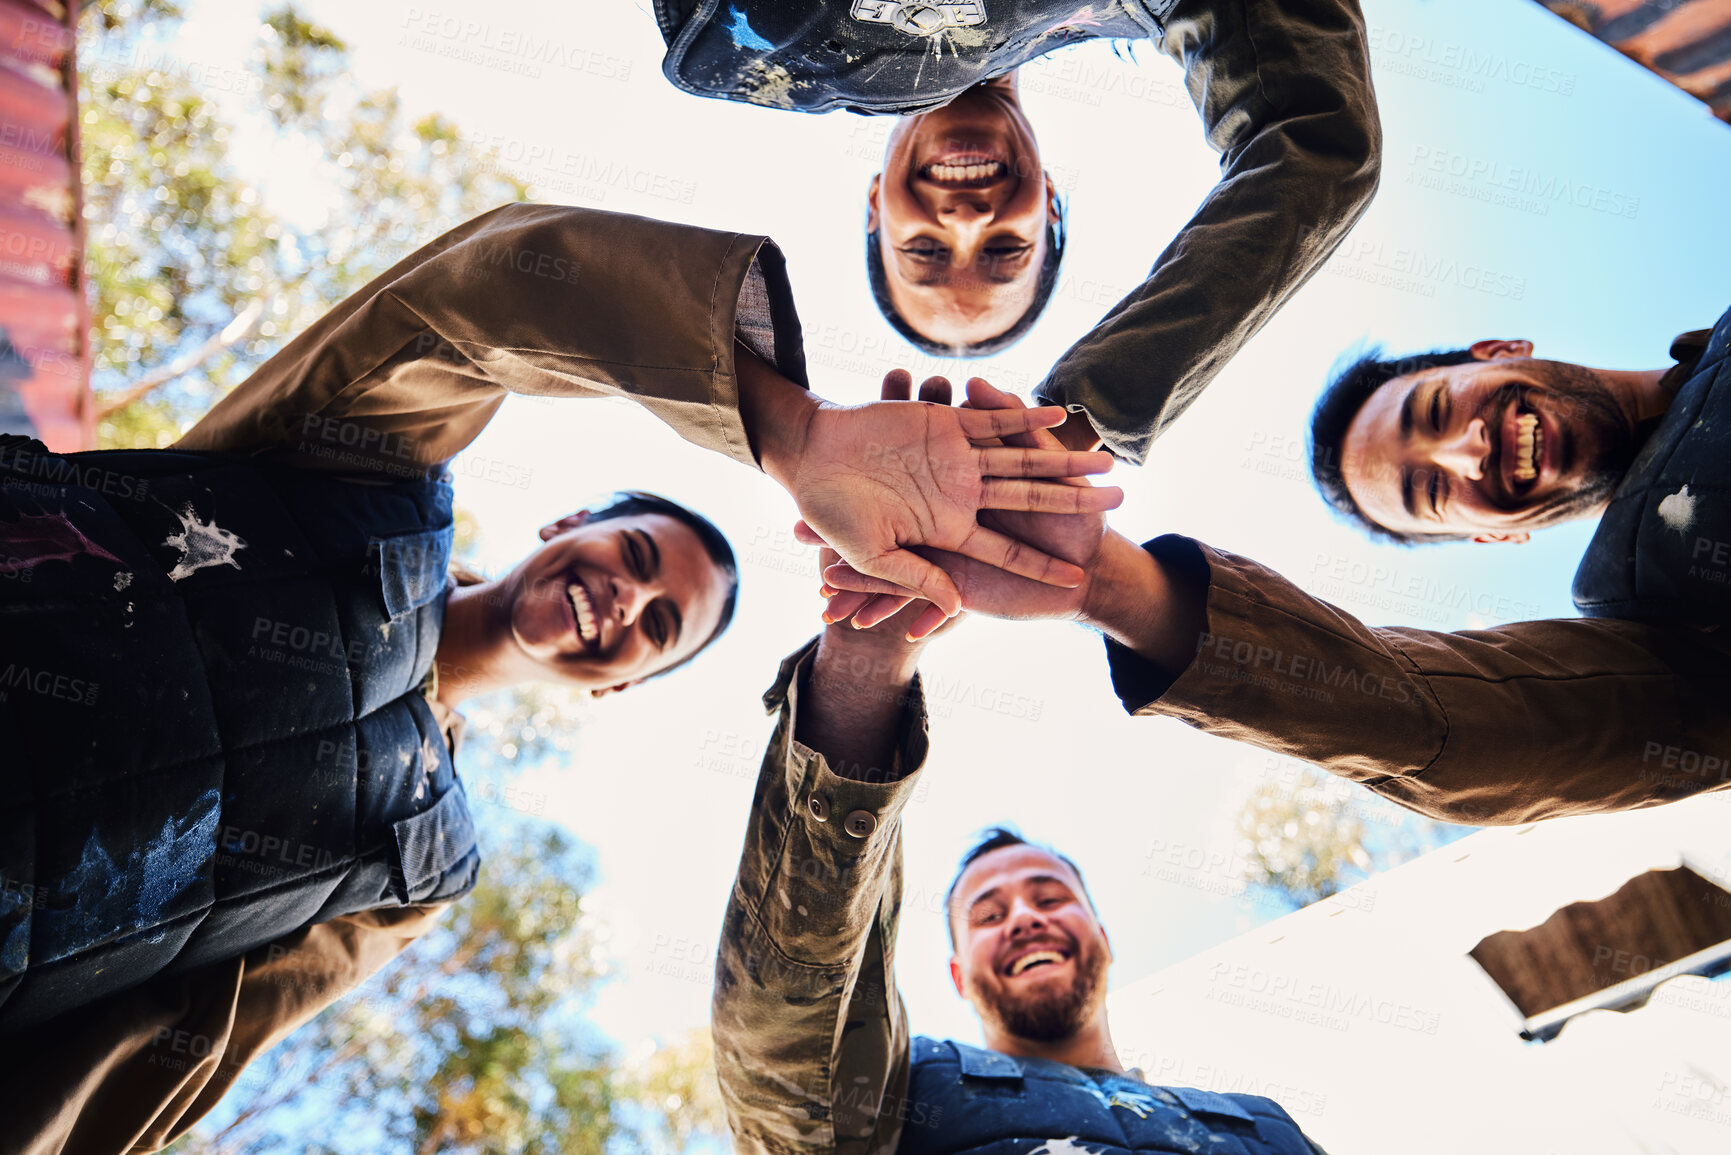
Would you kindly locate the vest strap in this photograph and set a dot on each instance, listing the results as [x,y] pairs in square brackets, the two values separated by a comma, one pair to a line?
[411,568]
[1201,1102]
[982,1064]
[431,843]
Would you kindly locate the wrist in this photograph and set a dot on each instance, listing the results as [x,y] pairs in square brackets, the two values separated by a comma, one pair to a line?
[1122,587]
[1145,605]
[881,655]
[777,415]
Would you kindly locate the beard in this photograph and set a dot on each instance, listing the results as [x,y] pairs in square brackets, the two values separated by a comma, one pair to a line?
[1045,1015]
[1599,443]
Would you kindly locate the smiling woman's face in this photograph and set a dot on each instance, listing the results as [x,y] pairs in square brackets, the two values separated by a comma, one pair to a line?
[608,603]
[960,211]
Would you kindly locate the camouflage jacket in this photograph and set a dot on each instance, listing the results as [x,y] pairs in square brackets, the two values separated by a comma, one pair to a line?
[811,1039]
[810,1035]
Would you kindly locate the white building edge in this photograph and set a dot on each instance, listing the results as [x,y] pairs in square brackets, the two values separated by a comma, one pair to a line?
[1364,1016]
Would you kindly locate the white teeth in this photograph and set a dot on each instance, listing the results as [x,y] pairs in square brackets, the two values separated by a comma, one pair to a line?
[984,170]
[1527,442]
[588,628]
[1039,956]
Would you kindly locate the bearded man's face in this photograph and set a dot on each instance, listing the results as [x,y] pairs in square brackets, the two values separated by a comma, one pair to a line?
[1031,955]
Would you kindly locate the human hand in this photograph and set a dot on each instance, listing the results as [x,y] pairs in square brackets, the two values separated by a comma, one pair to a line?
[1075,538]
[873,480]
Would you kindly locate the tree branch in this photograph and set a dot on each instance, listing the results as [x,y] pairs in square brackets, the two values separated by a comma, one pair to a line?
[231,332]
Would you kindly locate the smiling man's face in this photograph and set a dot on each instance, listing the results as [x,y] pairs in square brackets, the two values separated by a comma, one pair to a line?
[1490,449]
[1030,954]
[603,605]
[960,211]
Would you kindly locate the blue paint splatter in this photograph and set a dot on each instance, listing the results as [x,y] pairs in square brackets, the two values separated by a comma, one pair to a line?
[116,901]
[745,36]
[175,858]
[15,952]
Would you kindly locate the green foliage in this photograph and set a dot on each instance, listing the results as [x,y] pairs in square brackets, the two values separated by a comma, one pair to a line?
[196,281]
[469,1043]
[1306,835]
[675,1091]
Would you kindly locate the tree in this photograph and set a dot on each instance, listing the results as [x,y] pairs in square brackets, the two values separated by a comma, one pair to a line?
[674,1092]
[1305,835]
[469,1042]
[195,280]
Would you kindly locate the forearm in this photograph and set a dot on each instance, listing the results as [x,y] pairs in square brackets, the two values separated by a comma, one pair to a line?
[857,692]
[812,909]
[776,414]
[1295,119]
[531,299]
[1522,722]
[1152,609]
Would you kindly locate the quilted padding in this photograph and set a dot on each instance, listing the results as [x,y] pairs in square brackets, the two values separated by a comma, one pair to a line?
[1661,552]
[211,715]
[965,1100]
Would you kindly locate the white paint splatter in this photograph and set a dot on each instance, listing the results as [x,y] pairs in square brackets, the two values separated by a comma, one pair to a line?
[1065,1146]
[122,580]
[1678,510]
[201,545]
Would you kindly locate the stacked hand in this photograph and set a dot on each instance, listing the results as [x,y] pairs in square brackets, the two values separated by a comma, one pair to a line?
[881,482]
[1070,531]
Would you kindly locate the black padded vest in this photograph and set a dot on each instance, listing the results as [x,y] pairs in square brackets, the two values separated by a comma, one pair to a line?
[964,1099]
[212,724]
[1662,551]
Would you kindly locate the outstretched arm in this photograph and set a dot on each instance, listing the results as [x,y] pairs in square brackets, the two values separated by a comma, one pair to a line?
[811,1040]
[1521,722]
[1284,91]
[1512,724]
[544,300]
[568,302]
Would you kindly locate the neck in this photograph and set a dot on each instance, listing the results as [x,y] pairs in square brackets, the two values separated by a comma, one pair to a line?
[1091,1046]
[472,657]
[1639,392]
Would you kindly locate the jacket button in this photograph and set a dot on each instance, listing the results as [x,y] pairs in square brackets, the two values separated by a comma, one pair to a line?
[860,823]
[819,807]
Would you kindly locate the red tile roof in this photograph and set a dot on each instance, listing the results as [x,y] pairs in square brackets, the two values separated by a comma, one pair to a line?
[1688,42]
[44,372]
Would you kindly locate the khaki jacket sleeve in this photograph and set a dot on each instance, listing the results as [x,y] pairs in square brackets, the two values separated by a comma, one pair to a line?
[131,1073]
[811,1039]
[533,299]
[1284,91]
[1522,722]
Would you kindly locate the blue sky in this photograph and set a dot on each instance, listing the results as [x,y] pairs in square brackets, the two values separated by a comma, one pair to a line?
[1535,184]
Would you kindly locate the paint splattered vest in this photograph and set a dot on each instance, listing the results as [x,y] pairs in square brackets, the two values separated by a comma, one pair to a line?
[963,1099]
[1663,547]
[212,724]
[875,56]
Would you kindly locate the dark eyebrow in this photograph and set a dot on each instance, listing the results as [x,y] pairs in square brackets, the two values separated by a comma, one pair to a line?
[1407,496]
[1032,878]
[926,274]
[678,621]
[1407,405]
[654,552]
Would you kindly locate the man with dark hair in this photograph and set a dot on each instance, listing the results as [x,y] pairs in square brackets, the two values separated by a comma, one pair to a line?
[1626,707]
[964,227]
[232,666]
[1340,403]
[811,1040]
